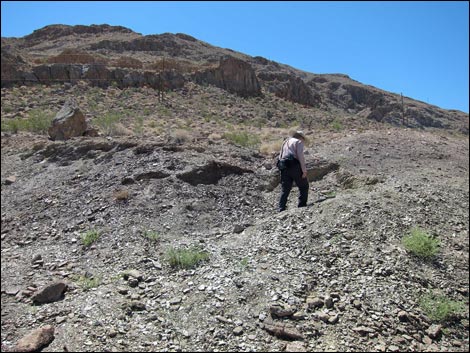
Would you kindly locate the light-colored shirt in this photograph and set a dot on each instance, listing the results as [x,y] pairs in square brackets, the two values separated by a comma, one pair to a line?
[296,148]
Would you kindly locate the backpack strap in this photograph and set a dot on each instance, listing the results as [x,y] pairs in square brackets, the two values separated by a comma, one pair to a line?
[282,148]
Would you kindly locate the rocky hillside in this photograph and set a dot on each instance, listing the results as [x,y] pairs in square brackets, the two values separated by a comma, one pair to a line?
[143,218]
[108,55]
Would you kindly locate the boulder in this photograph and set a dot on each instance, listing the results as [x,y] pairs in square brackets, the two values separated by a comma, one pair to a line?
[69,122]
[35,340]
[49,293]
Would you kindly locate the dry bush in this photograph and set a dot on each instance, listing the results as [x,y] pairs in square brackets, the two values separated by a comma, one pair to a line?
[121,195]
[270,147]
[181,136]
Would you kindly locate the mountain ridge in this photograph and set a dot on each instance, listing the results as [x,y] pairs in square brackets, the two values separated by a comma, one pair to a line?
[121,53]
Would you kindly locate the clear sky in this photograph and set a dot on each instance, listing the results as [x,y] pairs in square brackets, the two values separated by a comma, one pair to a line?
[420,49]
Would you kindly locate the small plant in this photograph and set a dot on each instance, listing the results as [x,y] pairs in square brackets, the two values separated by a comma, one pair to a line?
[108,122]
[139,125]
[419,243]
[152,235]
[439,307]
[90,237]
[330,195]
[336,125]
[186,258]
[181,136]
[87,283]
[244,263]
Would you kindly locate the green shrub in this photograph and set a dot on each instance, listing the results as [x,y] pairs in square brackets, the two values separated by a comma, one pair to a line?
[242,138]
[90,237]
[37,121]
[337,125]
[186,258]
[439,307]
[11,125]
[420,243]
[243,264]
[151,235]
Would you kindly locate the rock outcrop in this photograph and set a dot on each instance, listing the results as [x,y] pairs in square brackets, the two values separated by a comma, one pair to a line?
[233,75]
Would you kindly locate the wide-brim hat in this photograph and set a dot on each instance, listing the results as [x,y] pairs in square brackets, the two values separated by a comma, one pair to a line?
[300,134]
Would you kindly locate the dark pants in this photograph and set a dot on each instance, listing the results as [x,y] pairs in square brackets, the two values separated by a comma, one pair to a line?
[288,176]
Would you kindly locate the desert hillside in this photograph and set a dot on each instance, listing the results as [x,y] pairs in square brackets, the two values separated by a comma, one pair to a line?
[150,222]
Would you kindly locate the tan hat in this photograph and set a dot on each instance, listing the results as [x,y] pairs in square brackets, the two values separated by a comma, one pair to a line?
[299,134]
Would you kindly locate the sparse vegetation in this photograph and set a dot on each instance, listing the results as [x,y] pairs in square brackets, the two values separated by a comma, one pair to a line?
[439,307]
[152,235]
[419,243]
[336,125]
[107,123]
[242,138]
[186,258]
[244,263]
[181,136]
[90,237]
[86,283]
[38,121]
[139,125]
[270,147]
[330,195]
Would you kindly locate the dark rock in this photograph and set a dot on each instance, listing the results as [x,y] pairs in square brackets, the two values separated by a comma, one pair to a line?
[49,293]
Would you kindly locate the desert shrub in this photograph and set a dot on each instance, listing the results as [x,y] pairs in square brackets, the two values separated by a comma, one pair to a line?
[419,243]
[270,147]
[181,136]
[11,125]
[108,122]
[86,283]
[242,138]
[337,125]
[152,235]
[186,258]
[244,263]
[139,125]
[38,121]
[439,307]
[121,195]
[90,237]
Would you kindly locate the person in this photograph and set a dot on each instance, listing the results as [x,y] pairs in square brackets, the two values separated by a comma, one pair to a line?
[292,152]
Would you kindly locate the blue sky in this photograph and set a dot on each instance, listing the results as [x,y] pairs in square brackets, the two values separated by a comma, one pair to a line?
[418,48]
